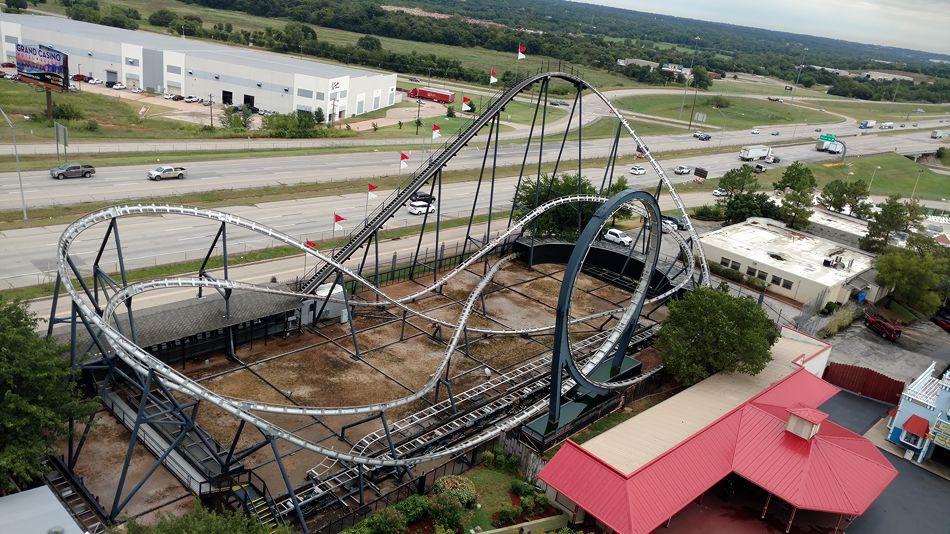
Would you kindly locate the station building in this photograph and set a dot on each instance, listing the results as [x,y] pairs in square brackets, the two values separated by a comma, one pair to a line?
[920,423]
[223,74]
[803,267]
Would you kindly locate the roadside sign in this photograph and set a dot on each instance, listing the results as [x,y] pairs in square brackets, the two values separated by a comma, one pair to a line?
[699,117]
[831,138]
[701,172]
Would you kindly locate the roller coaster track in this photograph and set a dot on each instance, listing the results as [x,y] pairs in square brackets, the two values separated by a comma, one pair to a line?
[375,220]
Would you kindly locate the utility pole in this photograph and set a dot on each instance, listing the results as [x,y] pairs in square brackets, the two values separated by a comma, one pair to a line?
[686,82]
[16,153]
[211,109]
[800,65]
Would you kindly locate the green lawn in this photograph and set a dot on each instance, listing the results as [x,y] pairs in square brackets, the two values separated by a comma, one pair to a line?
[449,128]
[492,487]
[742,113]
[767,87]
[882,111]
[897,175]
[606,128]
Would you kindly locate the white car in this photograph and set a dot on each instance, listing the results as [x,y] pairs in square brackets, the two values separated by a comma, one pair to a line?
[697,133]
[617,236]
[421,208]
[94,81]
[138,90]
[756,131]
[192,98]
[168,96]
[720,193]
[682,169]
[119,86]
[637,170]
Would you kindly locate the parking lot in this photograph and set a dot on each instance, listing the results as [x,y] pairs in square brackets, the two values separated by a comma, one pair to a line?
[921,343]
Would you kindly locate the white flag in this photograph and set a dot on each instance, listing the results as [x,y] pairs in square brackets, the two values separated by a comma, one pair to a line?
[337,226]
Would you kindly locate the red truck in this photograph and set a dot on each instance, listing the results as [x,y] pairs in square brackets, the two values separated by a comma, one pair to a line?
[437,95]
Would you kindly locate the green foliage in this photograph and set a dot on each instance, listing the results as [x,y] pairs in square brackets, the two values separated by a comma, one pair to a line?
[718,102]
[85,10]
[561,222]
[541,500]
[709,213]
[439,529]
[368,42]
[121,17]
[66,112]
[741,180]
[459,487]
[833,195]
[205,521]
[528,503]
[185,25]
[236,120]
[162,17]
[741,206]
[90,126]
[840,319]
[450,112]
[521,488]
[508,515]
[446,510]
[798,185]
[891,217]
[38,396]
[919,280]
[319,117]
[701,78]
[16,5]
[710,331]
[488,458]
[414,508]
[388,521]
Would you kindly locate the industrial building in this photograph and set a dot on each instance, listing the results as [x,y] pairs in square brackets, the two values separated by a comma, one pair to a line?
[767,429]
[837,227]
[223,74]
[803,267]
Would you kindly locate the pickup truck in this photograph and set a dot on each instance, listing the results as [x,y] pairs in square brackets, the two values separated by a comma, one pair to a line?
[72,170]
[167,171]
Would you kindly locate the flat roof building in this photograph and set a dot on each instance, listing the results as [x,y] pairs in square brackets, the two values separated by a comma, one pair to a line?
[837,227]
[226,74]
[800,266]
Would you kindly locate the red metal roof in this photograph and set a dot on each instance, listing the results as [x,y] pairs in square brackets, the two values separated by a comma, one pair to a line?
[836,471]
[917,426]
[811,415]
[892,412]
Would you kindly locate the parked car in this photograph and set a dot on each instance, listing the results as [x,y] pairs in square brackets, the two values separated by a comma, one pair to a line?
[759,168]
[942,322]
[818,129]
[682,169]
[704,137]
[637,170]
[772,158]
[73,87]
[192,98]
[882,327]
[138,90]
[167,171]
[205,102]
[9,76]
[617,236]
[421,208]
[110,84]
[420,196]
[720,192]
[680,224]
[168,96]
[79,77]
[756,131]
[94,81]
[177,98]
[118,85]
[8,65]
[72,170]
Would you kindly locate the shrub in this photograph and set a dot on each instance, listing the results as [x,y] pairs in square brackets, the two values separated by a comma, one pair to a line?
[840,319]
[528,504]
[439,529]
[461,488]
[541,501]
[445,510]
[726,272]
[521,488]
[718,101]
[450,112]
[499,451]
[709,213]
[755,282]
[388,521]
[414,508]
[66,112]
[501,461]
[509,515]
[90,126]
[488,458]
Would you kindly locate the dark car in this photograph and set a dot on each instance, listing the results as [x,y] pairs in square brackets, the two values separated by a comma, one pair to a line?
[759,168]
[885,329]
[72,170]
[110,83]
[942,322]
[704,137]
[680,224]
[419,196]
[8,65]
[177,98]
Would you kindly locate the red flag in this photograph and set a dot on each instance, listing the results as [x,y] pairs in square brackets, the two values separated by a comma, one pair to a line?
[338,218]
[371,187]
[493,77]
[311,244]
[402,160]
[436,131]
[466,101]
[521,50]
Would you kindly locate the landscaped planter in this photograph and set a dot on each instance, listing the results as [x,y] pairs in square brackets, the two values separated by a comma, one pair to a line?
[536,527]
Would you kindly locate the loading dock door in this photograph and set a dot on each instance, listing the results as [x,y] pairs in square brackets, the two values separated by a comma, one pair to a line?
[249,100]
[227,97]
[112,76]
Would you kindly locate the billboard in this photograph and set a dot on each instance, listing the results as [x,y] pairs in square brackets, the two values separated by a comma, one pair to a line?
[42,65]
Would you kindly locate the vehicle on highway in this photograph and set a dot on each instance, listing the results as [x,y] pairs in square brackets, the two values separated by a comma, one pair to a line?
[682,169]
[775,133]
[413,79]
[885,329]
[771,158]
[821,110]
[554,103]
[753,152]
[72,170]
[420,196]
[637,170]
[138,90]
[617,236]
[421,208]
[720,192]
[759,168]
[192,98]
[8,65]
[94,81]
[680,224]
[167,171]
[704,137]
[817,129]
[756,131]
[119,86]
[698,133]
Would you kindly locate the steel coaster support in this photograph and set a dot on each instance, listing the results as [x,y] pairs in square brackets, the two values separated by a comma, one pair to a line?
[438,223]
[537,182]
[52,312]
[580,156]
[290,488]
[234,442]
[524,161]
[95,262]
[608,178]
[478,187]
[422,232]
[491,191]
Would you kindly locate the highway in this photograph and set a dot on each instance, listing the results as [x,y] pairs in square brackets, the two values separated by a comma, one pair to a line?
[125,182]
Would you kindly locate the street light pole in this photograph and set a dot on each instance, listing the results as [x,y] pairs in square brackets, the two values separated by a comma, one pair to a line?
[917,181]
[873,174]
[686,81]
[800,65]
[16,153]
[211,108]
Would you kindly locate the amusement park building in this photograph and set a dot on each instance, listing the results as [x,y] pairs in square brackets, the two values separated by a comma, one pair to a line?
[641,473]
[800,266]
[226,74]
[920,423]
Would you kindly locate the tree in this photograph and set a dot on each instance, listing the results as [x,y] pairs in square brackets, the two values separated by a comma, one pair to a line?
[919,280]
[701,78]
[710,331]
[855,195]
[318,116]
[559,222]
[200,519]
[891,217]
[798,185]
[162,17]
[834,195]
[450,112]
[16,5]
[741,180]
[914,215]
[741,206]
[368,42]
[185,25]
[38,396]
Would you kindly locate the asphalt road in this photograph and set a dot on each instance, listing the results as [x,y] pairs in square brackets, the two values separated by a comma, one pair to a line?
[119,183]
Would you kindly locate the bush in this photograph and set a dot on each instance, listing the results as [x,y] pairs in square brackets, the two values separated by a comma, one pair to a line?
[528,504]
[388,521]
[450,112]
[446,510]
[460,488]
[726,272]
[162,17]
[439,529]
[90,126]
[499,451]
[509,515]
[718,101]
[66,112]
[501,461]
[709,213]
[521,488]
[414,508]
[840,319]
[755,282]
[488,458]
[541,500]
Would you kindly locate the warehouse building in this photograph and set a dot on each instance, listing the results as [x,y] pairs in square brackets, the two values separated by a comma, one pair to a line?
[223,74]
[803,267]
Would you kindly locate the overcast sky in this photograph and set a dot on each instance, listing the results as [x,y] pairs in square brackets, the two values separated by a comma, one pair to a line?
[915,24]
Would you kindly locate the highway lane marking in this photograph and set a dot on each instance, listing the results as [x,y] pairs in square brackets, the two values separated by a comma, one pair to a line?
[176,229]
[194,237]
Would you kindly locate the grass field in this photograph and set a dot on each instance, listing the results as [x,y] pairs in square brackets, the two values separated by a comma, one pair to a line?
[767,87]
[492,488]
[606,128]
[896,176]
[478,58]
[881,111]
[449,128]
[743,113]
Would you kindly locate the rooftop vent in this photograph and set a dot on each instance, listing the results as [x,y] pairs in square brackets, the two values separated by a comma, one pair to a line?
[804,422]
